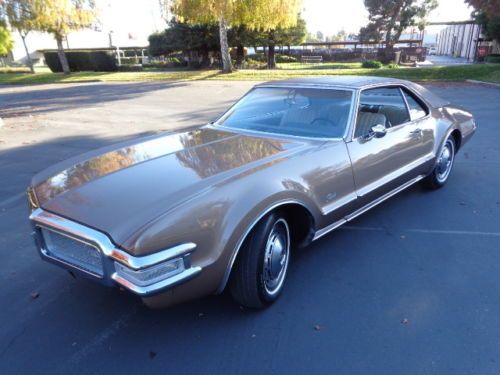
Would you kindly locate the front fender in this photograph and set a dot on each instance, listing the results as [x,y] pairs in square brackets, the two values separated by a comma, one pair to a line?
[218,222]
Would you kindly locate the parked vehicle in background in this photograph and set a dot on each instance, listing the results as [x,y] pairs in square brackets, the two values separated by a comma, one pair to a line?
[178,216]
[431,51]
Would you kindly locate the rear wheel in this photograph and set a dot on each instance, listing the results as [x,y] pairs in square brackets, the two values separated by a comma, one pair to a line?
[442,170]
[260,271]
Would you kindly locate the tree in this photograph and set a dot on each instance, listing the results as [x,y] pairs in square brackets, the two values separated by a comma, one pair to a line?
[389,18]
[241,36]
[60,17]
[287,36]
[487,14]
[23,18]
[294,35]
[254,14]
[6,43]
[490,7]
[270,39]
[311,38]
[195,41]
[490,25]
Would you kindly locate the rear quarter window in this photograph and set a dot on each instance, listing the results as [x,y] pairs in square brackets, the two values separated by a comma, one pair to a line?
[417,108]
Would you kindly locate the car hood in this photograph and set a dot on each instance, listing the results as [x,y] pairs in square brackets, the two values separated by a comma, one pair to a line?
[120,189]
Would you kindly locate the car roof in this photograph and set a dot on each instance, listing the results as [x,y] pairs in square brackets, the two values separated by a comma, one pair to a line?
[357,83]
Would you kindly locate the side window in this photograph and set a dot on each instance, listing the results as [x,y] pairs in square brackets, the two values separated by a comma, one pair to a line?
[417,110]
[384,106]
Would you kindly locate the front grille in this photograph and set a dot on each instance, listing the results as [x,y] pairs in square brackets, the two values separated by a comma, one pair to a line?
[73,252]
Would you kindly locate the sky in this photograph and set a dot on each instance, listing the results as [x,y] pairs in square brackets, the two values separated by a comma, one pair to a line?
[331,16]
[135,23]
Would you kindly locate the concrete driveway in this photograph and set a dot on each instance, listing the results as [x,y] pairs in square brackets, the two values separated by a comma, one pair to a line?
[411,287]
[443,60]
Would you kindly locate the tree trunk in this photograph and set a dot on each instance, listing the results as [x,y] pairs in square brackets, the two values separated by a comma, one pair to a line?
[28,57]
[240,56]
[271,61]
[62,56]
[224,46]
[389,47]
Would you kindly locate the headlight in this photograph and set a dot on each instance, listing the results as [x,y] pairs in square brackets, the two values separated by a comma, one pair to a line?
[150,275]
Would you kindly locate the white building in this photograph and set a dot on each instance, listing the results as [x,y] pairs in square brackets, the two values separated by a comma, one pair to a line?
[464,40]
[121,23]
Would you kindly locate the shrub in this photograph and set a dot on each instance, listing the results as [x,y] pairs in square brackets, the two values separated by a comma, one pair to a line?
[392,66]
[169,63]
[99,61]
[285,59]
[258,57]
[493,58]
[14,69]
[372,64]
[130,68]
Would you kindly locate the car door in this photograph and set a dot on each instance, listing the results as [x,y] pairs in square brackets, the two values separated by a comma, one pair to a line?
[421,121]
[384,160]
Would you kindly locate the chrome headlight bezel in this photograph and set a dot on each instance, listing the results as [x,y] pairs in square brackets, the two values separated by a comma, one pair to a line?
[119,267]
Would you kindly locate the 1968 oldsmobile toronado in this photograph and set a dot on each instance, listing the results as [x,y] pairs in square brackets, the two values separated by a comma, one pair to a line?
[183,215]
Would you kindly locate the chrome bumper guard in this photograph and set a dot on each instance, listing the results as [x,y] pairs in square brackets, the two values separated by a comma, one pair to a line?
[144,275]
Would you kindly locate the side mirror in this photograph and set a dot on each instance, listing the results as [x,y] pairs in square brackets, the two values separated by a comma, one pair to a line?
[378,131]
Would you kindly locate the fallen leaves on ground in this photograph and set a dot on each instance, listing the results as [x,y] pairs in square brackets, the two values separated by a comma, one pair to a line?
[34,295]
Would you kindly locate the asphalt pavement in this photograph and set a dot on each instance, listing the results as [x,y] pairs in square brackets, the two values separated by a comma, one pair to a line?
[410,287]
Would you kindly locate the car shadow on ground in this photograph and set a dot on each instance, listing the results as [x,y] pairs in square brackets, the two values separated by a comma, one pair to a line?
[50,98]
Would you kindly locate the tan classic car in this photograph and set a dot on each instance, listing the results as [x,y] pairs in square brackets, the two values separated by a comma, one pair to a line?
[183,215]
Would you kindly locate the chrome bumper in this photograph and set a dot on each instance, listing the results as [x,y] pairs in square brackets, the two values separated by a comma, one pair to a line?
[118,267]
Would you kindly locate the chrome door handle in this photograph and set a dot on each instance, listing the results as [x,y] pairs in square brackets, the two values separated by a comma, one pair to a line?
[416,132]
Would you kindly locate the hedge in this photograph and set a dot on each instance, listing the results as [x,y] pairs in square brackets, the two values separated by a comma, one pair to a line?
[493,58]
[285,59]
[79,61]
[372,64]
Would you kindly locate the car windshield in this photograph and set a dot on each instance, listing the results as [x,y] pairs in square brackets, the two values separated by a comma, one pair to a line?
[306,112]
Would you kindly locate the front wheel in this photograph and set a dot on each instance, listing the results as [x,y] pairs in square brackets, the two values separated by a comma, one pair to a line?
[439,175]
[260,271]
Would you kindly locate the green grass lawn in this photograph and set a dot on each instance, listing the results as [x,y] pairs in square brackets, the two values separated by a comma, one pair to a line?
[482,72]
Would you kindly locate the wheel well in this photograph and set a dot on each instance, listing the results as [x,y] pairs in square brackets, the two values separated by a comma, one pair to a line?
[302,229]
[457,137]
[301,223]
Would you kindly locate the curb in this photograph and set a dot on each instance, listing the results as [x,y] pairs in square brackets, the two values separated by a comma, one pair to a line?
[491,84]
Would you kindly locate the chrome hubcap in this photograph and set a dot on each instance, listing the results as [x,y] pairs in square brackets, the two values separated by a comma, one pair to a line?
[445,161]
[276,257]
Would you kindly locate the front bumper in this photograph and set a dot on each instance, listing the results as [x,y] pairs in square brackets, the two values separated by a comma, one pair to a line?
[116,267]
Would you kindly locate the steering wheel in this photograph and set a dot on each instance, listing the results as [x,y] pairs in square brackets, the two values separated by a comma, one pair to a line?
[324,121]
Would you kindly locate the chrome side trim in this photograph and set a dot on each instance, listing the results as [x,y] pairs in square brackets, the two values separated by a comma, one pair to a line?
[338,203]
[320,233]
[384,197]
[394,175]
[236,250]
